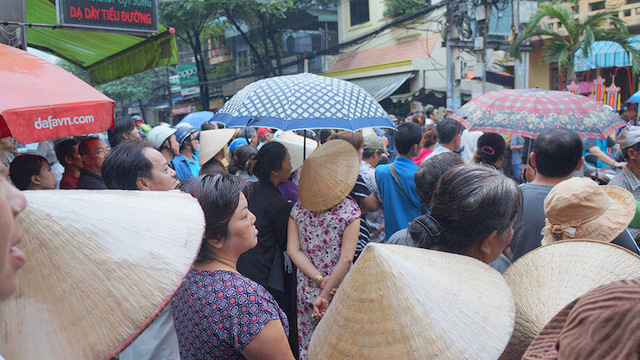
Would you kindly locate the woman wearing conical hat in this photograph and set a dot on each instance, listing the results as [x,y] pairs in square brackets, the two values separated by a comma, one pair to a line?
[323,231]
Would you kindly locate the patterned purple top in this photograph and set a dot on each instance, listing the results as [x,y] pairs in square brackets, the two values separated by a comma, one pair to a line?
[216,314]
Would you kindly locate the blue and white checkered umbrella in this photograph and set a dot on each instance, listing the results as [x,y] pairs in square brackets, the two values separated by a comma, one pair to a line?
[303,101]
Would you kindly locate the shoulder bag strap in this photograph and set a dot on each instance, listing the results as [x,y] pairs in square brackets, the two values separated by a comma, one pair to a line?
[395,177]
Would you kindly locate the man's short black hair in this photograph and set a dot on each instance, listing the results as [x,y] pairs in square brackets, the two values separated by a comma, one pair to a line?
[23,167]
[125,164]
[64,149]
[557,152]
[407,135]
[447,129]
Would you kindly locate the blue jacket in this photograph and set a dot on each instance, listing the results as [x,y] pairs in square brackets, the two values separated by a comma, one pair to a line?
[398,211]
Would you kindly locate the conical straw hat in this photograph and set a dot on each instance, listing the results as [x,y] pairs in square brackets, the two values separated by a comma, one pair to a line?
[295,145]
[100,266]
[548,278]
[328,175]
[399,302]
[212,141]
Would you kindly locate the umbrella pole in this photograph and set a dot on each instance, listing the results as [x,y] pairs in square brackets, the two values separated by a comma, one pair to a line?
[528,161]
[304,147]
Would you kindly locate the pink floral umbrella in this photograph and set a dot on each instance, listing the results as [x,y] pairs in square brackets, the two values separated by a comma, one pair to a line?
[528,112]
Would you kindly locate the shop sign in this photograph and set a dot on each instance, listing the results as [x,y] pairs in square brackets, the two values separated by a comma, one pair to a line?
[137,16]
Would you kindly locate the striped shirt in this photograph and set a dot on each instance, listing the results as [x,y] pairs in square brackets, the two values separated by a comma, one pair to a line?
[359,192]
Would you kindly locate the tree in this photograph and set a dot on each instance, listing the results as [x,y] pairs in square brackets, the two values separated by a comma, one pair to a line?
[190,20]
[396,8]
[561,48]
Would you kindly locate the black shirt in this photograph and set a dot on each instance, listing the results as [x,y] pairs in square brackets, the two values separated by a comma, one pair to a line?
[90,181]
[264,263]
[361,191]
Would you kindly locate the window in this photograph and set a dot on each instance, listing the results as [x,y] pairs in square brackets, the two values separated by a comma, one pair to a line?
[597,6]
[243,60]
[358,12]
[291,45]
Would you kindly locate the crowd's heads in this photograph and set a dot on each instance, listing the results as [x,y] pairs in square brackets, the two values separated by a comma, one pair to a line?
[135,165]
[429,136]
[249,134]
[186,136]
[222,201]
[430,171]
[31,172]
[472,212]
[629,140]
[163,137]
[578,208]
[432,114]
[372,146]
[209,125]
[418,118]
[407,135]
[264,135]
[490,149]
[241,157]
[324,134]
[557,153]
[271,160]
[354,138]
[123,129]
[448,130]
[93,151]
[12,202]
[68,155]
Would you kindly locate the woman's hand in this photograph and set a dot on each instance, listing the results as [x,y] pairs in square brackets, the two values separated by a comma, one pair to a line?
[323,283]
[320,306]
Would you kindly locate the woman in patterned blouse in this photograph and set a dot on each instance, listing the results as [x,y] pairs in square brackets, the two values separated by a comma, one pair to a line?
[218,313]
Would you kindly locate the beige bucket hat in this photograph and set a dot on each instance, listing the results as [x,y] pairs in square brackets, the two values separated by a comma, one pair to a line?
[100,266]
[548,278]
[212,141]
[400,302]
[328,175]
[579,208]
[295,146]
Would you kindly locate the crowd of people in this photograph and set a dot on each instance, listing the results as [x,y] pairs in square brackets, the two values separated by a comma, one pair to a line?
[283,232]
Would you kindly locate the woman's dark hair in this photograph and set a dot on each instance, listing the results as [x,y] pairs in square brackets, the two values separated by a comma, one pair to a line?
[324,134]
[213,167]
[469,203]
[491,148]
[125,164]
[23,167]
[354,138]
[219,196]
[430,171]
[64,149]
[241,156]
[121,126]
[429,136]
[269,158]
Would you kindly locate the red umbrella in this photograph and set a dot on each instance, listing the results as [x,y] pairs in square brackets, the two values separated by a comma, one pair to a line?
[529,112]
[40,101]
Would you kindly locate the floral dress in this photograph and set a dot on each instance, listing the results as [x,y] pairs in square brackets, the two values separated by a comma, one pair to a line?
[320,239]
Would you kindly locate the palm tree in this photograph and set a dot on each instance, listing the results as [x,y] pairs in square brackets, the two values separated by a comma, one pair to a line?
[561,48]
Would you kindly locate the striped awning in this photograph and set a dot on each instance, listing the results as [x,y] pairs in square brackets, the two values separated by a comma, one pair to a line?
[605,54]
[381,87]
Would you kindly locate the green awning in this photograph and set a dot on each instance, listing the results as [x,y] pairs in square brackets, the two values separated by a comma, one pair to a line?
[106,56]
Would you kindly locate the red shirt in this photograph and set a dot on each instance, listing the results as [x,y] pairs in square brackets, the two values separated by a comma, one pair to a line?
[423,154]
[69,181]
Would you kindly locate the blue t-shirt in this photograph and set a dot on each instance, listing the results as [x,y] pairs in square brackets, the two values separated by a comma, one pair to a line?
[186,168]
[398,210]
[516,155]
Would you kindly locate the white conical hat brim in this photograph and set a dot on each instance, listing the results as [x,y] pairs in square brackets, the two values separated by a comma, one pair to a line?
[546,279]
[212,141]
[295,145]
[399,302]
[100,265]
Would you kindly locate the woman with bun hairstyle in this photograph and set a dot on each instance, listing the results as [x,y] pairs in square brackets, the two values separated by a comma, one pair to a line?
[472,213]
[240,158]
[490,151]
[217,312]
